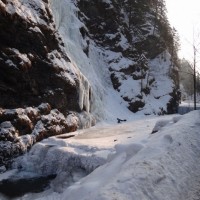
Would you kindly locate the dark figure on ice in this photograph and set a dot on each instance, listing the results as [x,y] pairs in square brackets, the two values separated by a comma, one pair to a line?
[120,120]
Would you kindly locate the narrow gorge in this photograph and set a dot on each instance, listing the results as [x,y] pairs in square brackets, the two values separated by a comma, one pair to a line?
[66,65]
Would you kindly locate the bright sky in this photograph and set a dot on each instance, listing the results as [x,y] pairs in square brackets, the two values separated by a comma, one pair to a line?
[184,15]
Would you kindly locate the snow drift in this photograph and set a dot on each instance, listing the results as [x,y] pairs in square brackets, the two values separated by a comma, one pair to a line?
[166,167]
[138,164]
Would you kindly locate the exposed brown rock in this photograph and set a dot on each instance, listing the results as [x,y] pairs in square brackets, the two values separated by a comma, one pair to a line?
[28,75]
[30,125]
[136,105]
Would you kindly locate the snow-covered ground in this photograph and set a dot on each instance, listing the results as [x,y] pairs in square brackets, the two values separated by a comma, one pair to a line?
[187,106]
[119,161]
[128,161]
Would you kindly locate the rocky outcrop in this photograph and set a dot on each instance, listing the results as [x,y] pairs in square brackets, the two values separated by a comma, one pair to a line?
[21,128]
[34,67]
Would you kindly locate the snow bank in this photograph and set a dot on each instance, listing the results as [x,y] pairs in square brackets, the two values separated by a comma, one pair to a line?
[53,156]
[139,165]
[165,168]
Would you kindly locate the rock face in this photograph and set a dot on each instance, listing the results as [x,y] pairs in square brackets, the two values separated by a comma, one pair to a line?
[21,128]
[34,67]
[39,86]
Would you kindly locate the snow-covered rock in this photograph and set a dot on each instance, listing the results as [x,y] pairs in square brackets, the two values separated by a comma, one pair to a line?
[8,132]
[35,67]
[21,128]
[131,51]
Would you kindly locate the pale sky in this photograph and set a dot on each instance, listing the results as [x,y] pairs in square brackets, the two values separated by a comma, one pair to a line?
[184,16]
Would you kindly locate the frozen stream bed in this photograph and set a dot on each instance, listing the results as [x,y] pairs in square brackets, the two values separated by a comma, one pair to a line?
[123,161]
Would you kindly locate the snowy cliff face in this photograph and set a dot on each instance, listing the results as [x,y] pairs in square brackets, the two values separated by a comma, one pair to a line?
[116,50]
[80,59]
[80,55]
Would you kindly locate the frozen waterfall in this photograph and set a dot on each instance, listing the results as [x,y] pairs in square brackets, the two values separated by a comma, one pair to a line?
[91,86]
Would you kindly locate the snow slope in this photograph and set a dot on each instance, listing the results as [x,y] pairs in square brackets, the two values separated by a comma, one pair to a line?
[135,164]
[95,61]
[166,167]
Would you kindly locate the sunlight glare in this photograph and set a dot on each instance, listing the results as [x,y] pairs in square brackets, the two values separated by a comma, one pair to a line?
[184,15]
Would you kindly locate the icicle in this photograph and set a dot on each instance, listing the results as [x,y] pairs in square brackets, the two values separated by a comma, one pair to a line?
[84,94]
